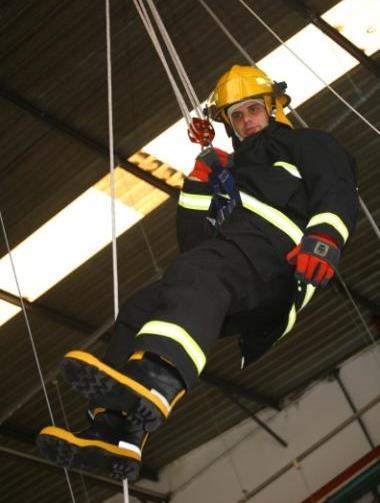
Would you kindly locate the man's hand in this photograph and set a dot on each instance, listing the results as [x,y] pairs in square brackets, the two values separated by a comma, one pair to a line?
[315,258]
[207,160]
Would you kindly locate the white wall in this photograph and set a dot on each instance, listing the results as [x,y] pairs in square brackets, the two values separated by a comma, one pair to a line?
[210,475]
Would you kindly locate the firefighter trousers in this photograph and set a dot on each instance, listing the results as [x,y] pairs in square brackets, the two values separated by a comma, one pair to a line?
[181,316]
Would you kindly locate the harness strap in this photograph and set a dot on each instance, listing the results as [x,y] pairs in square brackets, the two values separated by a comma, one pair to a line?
[225,195]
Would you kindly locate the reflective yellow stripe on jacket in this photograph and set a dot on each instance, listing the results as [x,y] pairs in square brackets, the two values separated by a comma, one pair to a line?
[310,291]
[292,316]
[291,320]
[330,219]
[198,202]
[293,170]
[177,334]
[267,212]
[273,216]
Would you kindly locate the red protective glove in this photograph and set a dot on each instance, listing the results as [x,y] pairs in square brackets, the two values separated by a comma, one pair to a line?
[315,258]
[206,160]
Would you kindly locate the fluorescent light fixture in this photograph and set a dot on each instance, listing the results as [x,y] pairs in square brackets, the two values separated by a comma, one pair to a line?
[7,311]
[65,242]
[357,21]
[323,55]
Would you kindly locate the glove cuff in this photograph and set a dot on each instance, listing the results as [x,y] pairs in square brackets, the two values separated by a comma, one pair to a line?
[321,247]
[324,237]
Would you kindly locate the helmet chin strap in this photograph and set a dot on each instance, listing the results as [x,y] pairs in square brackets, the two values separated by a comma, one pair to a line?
[241,138]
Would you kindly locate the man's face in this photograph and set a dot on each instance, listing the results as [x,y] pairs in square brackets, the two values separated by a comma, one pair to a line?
[249,118]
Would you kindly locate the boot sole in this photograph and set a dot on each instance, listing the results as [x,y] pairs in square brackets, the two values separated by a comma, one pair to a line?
[110,389]
[65,449]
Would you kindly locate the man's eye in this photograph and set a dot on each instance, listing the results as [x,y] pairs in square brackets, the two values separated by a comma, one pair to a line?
[236,116]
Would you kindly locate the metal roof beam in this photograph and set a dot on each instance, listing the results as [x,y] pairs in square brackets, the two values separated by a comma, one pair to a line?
[371,65]
[47,312]
[85,140]
[353,408]
[257,420]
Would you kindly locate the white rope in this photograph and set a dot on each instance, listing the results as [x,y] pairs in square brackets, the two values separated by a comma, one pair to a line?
[111,161]
[369,217]
[112,183]
[176,61]
[32,342]
[144,17]
[67,425]
[152,34]
[326,84]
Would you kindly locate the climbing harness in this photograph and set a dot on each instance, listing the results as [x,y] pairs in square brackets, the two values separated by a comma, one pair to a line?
[226,196]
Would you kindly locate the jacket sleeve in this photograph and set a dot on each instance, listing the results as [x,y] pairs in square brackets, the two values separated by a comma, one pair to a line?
[329,175]
[193,205]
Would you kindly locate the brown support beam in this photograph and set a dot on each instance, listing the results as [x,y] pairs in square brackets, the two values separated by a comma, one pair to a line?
[257,420]
[85,140]
[47,312]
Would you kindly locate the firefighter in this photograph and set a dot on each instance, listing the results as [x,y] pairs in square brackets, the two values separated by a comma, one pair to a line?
[258,230]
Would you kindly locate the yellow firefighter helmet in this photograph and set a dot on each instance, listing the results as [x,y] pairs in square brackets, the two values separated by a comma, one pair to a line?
[243,82]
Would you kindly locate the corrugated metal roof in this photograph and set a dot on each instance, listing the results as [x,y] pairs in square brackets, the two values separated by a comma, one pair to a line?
[53,57]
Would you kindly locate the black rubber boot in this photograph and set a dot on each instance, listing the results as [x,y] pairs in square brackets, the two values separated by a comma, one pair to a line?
[112,446]
[147,389]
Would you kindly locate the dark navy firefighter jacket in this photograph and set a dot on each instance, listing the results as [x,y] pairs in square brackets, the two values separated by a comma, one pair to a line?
[291,182]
